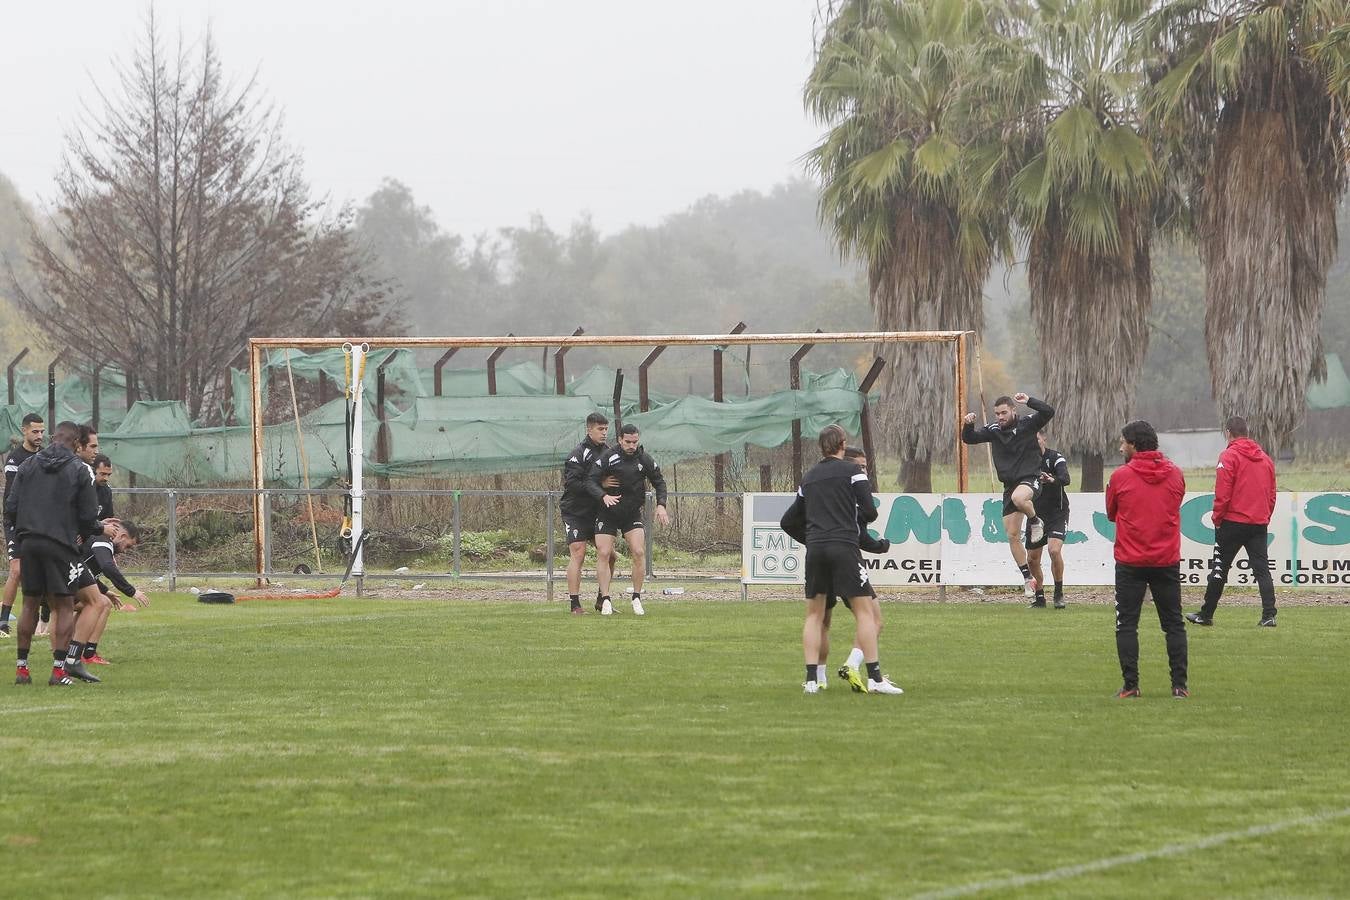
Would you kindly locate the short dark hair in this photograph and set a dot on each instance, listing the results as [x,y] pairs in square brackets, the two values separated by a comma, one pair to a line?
[596,418]
[832,439]
[102,460]
[630,428]
[86,432]
[132,529]
[32,419]
[854,452]
[66,433]
[1236,426]
[1141,435]
[1005,400]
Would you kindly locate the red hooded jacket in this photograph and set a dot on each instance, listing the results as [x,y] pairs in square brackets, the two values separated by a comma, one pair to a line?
[1244,484]
[1144,499]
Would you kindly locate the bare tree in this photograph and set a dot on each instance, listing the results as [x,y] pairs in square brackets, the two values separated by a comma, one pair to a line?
[183,226]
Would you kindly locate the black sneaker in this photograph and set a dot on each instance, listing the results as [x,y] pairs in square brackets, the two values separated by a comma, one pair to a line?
[1198,619]
[599,603]
[1038,603]
[1268,622]
[59,677]
[77,670]
[4,629]
[1059,601]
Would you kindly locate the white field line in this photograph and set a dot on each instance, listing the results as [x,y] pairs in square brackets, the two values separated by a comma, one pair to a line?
[1111,862]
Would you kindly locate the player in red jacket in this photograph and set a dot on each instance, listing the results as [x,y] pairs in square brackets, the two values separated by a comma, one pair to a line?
[1244,498]
[1144,499]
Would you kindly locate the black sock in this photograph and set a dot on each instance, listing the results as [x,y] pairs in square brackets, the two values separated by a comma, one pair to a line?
[1025,570]
[22,662]
[576,600]
[810,672]
[45,614]
[1040,595]
[874,671]
[4,614]
[1059,589]
[75,652]
[91,650]
[58,660]
[637,595]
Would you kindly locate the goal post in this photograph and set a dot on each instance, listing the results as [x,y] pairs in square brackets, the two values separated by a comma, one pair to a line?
[360,347]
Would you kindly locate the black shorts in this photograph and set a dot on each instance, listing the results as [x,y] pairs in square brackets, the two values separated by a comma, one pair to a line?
[1056,523]
[1033,482]
[48,567]
[831,601]
[836,570]
[11,543]
[578,528]
[85,580]
[618,520]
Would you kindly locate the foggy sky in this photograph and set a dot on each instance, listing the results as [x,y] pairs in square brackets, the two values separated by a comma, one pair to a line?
[489,110]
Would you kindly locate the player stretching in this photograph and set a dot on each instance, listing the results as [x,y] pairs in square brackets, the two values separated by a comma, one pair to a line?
[620,511]
[1017,459]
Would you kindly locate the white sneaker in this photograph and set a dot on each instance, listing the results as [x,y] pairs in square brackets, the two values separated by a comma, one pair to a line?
[1036,530]
[810,687]
[883,686]
[637,607]
[607,608]
[1029,588]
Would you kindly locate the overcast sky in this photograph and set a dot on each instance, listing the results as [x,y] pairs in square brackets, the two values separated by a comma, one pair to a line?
[490,110]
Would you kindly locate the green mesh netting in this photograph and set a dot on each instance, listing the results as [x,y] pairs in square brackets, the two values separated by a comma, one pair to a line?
[1335,391]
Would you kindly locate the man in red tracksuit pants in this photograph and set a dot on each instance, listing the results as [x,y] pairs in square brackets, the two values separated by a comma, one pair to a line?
[1144,499]
[1244,498]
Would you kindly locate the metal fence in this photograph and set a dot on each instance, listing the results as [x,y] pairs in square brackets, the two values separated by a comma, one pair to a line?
[418,535]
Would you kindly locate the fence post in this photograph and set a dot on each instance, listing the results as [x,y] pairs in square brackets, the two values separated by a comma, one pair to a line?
[649,516]
[548,546]
[172,537]
[454,540]
[267,532]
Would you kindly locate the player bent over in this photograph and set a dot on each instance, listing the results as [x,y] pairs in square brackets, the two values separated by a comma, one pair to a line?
[1017,459]
[93,600]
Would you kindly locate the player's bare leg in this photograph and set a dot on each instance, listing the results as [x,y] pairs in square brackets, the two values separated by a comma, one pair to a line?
[604,569]
[637,552]
[811,632]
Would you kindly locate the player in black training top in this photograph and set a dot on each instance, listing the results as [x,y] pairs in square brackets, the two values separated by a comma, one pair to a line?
[93,600]
[103,469]
[620,510]
[1017,459]
[579,508]
[1052,507]
[835,500]
[32,430]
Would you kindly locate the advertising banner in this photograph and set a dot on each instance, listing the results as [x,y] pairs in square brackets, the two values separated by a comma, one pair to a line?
[959,539]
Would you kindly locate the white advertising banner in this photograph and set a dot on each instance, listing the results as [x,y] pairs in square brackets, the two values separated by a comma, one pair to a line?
[959,539]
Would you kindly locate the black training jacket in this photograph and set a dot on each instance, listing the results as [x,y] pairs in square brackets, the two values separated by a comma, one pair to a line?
[105,507]
[632,470]
[1017,455]
[1053,497]
[17,457]
[101,562]
[835,501]
[52,495]
[577,501]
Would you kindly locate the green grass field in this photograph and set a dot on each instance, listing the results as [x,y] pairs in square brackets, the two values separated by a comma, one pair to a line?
[382,748]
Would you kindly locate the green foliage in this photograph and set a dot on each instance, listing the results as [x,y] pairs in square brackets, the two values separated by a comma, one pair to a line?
[682,739]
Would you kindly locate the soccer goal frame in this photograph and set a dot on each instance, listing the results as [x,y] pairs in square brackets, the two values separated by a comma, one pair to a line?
[360,347]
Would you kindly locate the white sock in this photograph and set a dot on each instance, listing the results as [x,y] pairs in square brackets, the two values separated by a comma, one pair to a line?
[820,673]
[855,658]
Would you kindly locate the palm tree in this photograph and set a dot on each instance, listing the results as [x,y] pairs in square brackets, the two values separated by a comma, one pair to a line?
[1087,199]
[1253,96]
[908,170]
